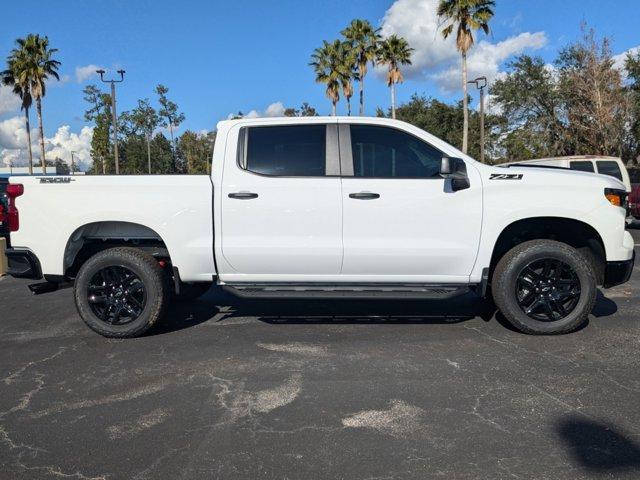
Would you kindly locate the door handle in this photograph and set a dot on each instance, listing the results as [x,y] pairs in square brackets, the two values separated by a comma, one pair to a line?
[243,195]
[364,195]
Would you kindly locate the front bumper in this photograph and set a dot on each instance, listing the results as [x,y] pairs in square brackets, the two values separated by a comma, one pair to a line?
[23,263]
[616,273]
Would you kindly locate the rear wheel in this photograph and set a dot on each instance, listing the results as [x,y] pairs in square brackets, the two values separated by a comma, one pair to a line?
[544,287]
[120,292]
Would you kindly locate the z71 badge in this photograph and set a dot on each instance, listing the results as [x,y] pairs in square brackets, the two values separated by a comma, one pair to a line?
[57,179]
[506,176]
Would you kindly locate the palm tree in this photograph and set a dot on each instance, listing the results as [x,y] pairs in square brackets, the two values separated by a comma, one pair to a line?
[330,68]
[363,40]
[394,51]
[38,66]
[465,16]
[348,72]
[14,76]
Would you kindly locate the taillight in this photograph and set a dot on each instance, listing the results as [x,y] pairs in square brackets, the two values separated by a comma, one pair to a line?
[14,190]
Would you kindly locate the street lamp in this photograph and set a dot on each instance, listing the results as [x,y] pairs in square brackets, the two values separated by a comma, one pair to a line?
[481,83]
[73,166]
[113,113]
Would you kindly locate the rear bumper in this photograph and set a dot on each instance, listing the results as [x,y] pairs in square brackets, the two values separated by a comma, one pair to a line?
[23,263]
[616,273]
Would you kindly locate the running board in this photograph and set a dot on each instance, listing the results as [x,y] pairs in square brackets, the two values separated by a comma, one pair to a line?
[347,290]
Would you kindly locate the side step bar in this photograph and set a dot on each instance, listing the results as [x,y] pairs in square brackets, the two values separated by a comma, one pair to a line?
[371,290]
[48,287]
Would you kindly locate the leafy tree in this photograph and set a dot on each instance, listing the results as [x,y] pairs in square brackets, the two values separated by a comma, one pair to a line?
[305,110]
[197,150]
[531,101]
[143,120]
[169,113]
[62,168]
[99,112]
[393,52]
[465,16]
[597,105]
[330,68]
[445,121]
[162,158]
[363,39]
[15,76]
[632,66]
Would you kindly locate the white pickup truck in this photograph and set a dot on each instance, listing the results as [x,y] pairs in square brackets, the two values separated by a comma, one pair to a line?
[325,207]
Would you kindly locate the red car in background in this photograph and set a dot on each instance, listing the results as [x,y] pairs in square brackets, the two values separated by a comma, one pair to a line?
[634,201]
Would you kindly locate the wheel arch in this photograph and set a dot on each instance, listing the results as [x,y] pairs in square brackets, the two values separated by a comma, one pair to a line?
[91,238]
[576,233]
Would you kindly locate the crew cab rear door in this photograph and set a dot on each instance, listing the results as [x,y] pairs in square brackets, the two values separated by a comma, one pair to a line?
[281,203]
[403,222]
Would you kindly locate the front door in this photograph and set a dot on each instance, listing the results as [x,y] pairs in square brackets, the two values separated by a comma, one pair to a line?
[281,204]
[402,221]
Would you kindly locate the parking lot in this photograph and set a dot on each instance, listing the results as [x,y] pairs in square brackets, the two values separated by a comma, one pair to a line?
[233,389]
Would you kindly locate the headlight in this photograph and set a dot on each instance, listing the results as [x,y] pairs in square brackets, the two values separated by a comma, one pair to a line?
[616,197]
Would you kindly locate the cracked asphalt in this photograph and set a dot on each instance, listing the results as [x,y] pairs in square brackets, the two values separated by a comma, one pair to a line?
[232,389]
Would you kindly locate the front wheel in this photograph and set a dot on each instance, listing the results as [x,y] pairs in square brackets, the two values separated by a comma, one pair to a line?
[120,292]
[544,287]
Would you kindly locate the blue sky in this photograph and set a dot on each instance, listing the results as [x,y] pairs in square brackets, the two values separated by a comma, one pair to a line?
[223,57]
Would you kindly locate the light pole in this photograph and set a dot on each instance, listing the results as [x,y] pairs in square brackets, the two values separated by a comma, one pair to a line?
[481,83]
[73,165]
[113,113]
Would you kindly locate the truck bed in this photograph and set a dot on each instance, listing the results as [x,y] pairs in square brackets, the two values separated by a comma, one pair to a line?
[178,208]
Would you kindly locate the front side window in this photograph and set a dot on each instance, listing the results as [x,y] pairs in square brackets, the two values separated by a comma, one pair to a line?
[287,151]
[382,152]
[583,166]
[608,167]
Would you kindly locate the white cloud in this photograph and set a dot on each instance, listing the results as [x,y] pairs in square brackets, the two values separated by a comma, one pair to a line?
[436,58]
[13,133]
[275,109]
[485,59]
[65,141]
[490,105]
[85,73]
[9,101]
[13,144]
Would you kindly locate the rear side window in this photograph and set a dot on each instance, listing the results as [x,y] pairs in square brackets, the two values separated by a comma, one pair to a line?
[608,167]
[286,151]
[583,166]
[382,152]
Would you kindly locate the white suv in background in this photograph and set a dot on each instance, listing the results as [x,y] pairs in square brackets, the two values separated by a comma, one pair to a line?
[612,166]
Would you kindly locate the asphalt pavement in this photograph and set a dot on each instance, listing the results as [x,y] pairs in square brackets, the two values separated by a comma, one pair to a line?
[233,389]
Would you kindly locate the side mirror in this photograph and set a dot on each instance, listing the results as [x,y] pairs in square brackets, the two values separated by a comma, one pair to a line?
[445,167]
[455,170]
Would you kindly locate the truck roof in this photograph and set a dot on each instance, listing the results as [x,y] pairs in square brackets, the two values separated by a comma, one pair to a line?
[317,119]
[569,157]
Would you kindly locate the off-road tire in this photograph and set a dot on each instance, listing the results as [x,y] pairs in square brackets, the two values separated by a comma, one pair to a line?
[514,261]
[147,270]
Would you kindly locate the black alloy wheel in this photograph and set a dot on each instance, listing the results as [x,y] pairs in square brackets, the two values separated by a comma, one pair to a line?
[547,290]
[116,295]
